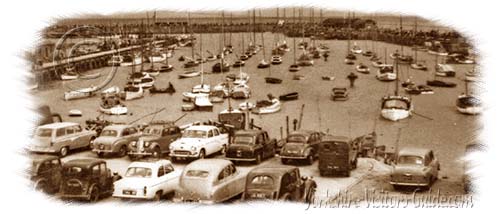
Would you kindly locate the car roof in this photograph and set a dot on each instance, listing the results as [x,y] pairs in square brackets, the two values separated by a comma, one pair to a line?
[150,163]
[225,111]
[248,132]
[201,127]
[299,132]
[117,127]
[413,151]
[84,163]
[328,138]
[58,125]
[37,158]
[209,165]
[274,171]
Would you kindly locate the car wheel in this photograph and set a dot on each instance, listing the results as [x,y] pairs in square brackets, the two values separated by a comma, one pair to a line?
[284,161]
[223,150]
[310,159]
[258,159]
[156,152]
[63,152]
[123,151]
[157,196]
[202,154]
[347,173]
[100,154]
[310,194]
[41,186]
[94,194]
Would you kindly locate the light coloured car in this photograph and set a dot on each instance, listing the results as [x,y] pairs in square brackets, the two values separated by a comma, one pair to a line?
[150,180]
[198,142]
[60,138]
[210,181]
[415,167]
[114,139]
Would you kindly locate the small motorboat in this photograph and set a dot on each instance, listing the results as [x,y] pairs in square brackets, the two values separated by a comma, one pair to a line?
[386,73]
[469,104]
[189,74]
[418,66]
[241,92]
[368,53]
[169,90]
[340,93]
[133,92]
[238,63]
[90,76]
[111,105]
[298,77]
[273,80]
[294,68]
[166,68]
[276,60]
[362,69]
[267,106]
[440,83]
[263,64]
[328,78]
[202,102]
[377,64]
[75,113]
[289,96]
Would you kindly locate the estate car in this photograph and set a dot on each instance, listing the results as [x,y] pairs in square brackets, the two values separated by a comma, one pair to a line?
[251,145]
[155,141]
[60,138]
[114,139]
[279,183]
[415,167]
[301,145]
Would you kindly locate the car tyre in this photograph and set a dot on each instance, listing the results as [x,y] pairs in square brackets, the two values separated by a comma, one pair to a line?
[94,194]
[157,196]
[41,185]
[258,159]
[122,151]
[310,159]
[63,151]
[156,152]
[202,154]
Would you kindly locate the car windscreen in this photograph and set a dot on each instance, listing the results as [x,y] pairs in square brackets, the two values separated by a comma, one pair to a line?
[262,180]
[296,138]
[194,134]
[74,170]
[43,132]
[247,140]
[197,173]
[153,131]
[409,159]
[141,172]
[109,133]
[337,147]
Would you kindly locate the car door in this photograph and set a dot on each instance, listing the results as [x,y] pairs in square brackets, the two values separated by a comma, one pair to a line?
[171,178]
[79,138]
[433,164]
[61,139]
[268,145]
[218,139]
[211,143]
[56,171]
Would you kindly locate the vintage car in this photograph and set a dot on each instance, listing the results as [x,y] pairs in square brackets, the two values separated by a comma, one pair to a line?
[46,173]
[251,145]
[199,141]
[279,183]
[415,167]
[149,179]
[367,144]
[340,94]
[155,141]
[114,139]
[301,145]
[61,138]
[210,181]
[337,154]
[87,179]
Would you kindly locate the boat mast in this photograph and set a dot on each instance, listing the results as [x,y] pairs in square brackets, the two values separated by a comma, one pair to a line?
[350,31]
[415,35]
[223,46]
[191,33]
[401,33]
[397,76]
[254,36]
[151,42]
[201,56]
[294,45]
[142,46]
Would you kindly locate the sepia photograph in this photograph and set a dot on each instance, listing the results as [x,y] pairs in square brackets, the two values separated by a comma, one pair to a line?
[305,106]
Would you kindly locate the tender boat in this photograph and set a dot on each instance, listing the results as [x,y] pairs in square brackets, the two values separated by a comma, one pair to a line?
[356,49]
[238,63]
[418,89]
[241,91]
[133,92]
[244,57]
[386,73]
[362,69]
[368,53]
[328,78]
[111,105]
[276,60]
[340,93]
[263,64]
[166,68]
[189,74]
[418,66]
[298,77]
[469,104]
[289,96]
[267,107]
[294,68]
[377,64]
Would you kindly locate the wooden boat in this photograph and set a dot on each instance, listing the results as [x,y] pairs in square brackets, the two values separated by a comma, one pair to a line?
[440,83]
[191,63]
[273,80]
[238,63]
[356,49]
[289,96]
[246,106]
[386,73]
[170,89]
[469,104]
[418,66]
[115,60]
[328,78]
[216,68]
[69,76]
[418,89]
[241,91]
[368,53]
[362,69]
[294,68]
[189,74]
[445,70]
[377,64]
[166,68]
[276,60]
[202,102]
[133,92]
[298,77]
[267,107]
[111,105]
[263,64]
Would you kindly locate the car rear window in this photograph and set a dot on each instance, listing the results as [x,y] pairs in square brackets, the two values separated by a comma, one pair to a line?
[407,159]
[153,131]
[243,140]
[195,134]
[296,138]
[73,170]
[141,172]
[43,132]
[262,180]
[109,133]
[334,147]
[197,173]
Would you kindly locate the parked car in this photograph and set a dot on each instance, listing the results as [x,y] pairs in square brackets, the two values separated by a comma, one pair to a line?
[46,173]
[251,145]
[114,139]
[415,167]
[210,181]
[198,142]
[301,145]
[337,154]
[148,179]
[87,179]
[155,141]
[367,144]
[60,138]
[340,94]
[279,183]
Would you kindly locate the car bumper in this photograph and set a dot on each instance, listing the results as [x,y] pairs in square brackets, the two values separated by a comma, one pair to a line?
[41,150]
[185,155]
[240,159]
[292,157]
[408,183]
[81,197]
[103,151]
[140,153]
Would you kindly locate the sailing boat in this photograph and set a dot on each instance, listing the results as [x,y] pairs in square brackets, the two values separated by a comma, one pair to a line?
[191,61]
[442,70]
[241,60]
[294,67]
[396,107]
[416,64]
[402,59]
[221,66]
[263,63]
[349,59]
[167,67]
[385,71]
[468,103]
[304,58]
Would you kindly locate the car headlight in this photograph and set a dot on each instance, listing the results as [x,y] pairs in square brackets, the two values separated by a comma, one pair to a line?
[133,143]
[193,148]
[147,144]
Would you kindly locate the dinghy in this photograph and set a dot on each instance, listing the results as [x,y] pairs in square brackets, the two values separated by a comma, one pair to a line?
[289,97]
[170,89]
[386,73]
[71,75]
[267,107]
[362,69]
[111,105]
[75,113]
[340,93]
[445,70]
[202,102]
[328,78]
[294,68]
[273,80]
[246,106]
[241,91]
[263,64]
[189,74]
[468,104]
[419,66]
[377,64]
[166,68]
[238,63]
[80,93]
[133,92]
[276,60]
[440,83]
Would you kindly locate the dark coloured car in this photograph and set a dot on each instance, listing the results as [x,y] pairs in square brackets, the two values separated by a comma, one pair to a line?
[87,179]
[46,173]
[279,183]
[301,145]
[367,144]
[155,141]
[337,154]
[251,145]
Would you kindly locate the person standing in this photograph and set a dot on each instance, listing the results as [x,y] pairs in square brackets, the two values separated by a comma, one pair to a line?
[352,78]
